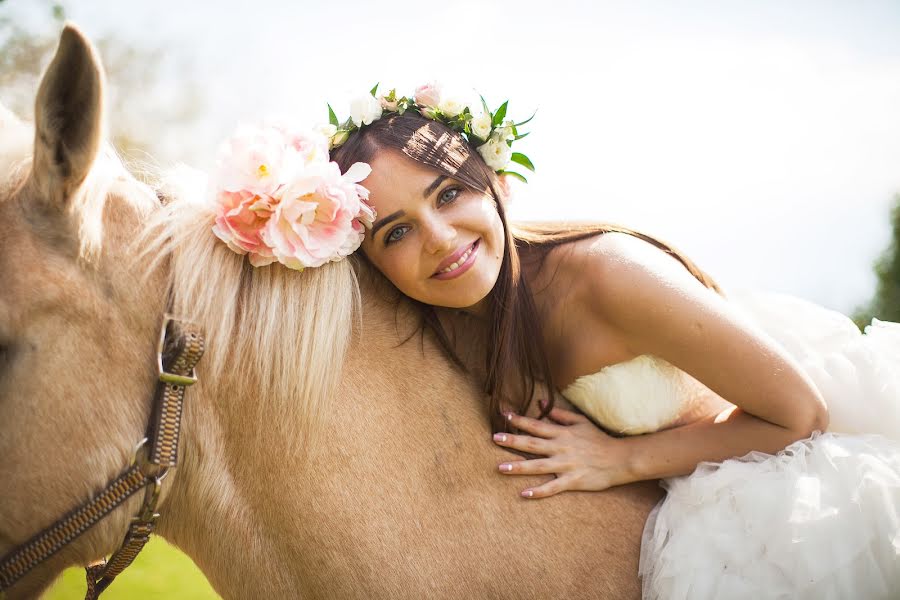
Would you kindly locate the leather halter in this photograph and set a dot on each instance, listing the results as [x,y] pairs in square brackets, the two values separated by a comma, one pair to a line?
[180,347]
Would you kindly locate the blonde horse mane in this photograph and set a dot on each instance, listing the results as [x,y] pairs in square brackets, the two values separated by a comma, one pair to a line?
[283,332]
[280,332]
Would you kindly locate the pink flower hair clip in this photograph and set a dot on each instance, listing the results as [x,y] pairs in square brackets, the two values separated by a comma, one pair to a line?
[279,198]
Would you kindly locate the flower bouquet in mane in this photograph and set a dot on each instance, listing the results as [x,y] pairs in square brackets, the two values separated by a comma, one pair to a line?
[278,198]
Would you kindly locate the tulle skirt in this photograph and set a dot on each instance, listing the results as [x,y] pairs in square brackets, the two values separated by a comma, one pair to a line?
[820,519]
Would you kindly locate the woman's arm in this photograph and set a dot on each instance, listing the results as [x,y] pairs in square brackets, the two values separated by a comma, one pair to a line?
[659,308]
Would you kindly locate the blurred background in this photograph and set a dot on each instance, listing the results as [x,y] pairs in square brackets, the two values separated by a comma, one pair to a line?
[761,138]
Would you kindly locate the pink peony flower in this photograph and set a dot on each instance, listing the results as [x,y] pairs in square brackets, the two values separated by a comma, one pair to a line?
[260,159]
[277,197]
[239,219]
[429,94]
[321,216]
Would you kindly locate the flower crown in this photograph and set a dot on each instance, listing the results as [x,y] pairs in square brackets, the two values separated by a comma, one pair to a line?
[277,197]
[486,131]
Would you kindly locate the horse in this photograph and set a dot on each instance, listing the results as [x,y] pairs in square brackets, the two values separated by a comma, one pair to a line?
[323,454]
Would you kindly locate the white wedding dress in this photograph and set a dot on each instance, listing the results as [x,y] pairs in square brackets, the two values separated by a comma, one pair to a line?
[821,519]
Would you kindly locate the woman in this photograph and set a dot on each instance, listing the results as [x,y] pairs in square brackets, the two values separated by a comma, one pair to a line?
[645,343]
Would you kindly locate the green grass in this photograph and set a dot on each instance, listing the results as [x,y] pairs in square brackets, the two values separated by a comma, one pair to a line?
[159,571]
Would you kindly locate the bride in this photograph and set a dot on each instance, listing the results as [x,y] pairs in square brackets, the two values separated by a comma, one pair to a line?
[760,412]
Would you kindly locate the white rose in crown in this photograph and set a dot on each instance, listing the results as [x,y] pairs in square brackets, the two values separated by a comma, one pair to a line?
[481,126]
[452,106]
[496,153]
[505,132]
[365,109]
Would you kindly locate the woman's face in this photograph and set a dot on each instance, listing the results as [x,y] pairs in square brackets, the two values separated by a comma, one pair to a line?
[438,241]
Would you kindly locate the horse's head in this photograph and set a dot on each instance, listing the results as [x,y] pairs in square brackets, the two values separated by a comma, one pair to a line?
[77,319]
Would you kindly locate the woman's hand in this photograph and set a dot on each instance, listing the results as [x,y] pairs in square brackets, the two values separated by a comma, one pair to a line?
[580,455]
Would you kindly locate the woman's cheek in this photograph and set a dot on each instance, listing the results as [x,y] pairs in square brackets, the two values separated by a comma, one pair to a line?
[397,267]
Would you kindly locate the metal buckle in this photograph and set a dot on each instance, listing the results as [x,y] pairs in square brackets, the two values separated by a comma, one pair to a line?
[164,376]
[148,512]
[146,467]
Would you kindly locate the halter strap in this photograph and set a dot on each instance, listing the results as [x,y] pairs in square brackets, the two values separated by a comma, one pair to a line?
[180,347]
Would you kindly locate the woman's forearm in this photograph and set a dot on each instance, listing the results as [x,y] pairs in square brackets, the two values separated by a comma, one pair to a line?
[731,433]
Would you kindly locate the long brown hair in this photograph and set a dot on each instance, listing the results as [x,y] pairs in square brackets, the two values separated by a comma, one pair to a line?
[514,347]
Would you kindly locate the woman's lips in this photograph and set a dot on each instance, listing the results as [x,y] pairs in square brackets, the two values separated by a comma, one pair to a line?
[463,259]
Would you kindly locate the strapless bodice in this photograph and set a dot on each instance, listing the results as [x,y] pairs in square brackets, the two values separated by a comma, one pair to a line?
[640,395]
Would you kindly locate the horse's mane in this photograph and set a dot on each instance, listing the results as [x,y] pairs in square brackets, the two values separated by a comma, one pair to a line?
[273,330]
[279,332]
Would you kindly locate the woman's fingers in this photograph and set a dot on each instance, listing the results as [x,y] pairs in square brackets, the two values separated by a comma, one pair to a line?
[552,487]
[537,466]
[566,417]
[525,443]
[532,426]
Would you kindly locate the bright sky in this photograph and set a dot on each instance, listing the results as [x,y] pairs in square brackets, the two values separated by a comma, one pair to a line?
[762,138]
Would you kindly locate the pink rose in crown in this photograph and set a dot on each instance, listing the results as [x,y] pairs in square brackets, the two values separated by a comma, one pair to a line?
[428,94]
[321,216]
[278,198]
[239,219]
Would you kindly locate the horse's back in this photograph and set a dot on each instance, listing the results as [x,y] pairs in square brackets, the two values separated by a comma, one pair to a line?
[404,499]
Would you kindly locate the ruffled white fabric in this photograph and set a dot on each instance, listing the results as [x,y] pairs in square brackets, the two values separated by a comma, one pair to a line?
[821,519]
[858,375]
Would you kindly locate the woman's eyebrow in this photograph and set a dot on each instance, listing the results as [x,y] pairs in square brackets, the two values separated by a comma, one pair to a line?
[382,222]
[433,185]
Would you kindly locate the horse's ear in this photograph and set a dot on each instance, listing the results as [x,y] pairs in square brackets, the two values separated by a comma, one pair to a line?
[68,117]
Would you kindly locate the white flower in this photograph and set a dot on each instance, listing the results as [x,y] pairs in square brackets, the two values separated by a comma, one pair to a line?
[505,132]
[364,110]
[451,106]
[495,153]
[481,125]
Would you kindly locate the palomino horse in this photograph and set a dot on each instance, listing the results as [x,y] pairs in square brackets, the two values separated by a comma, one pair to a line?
[320,458]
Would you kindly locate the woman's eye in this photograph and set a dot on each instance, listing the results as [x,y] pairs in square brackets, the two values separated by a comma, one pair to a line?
[395,234]
[448,195]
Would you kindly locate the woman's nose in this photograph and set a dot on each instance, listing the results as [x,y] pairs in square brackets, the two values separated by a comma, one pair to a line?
[439,236]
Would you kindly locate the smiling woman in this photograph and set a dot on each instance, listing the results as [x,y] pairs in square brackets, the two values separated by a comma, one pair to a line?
[643,342]
[443,242]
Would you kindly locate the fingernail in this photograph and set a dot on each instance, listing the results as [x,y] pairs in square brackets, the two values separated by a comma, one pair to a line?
[506,467]
[509,416]
[542,404]
[499,437]
[527,493]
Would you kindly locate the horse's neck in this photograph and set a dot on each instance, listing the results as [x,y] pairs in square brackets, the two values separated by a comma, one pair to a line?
[245,485]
